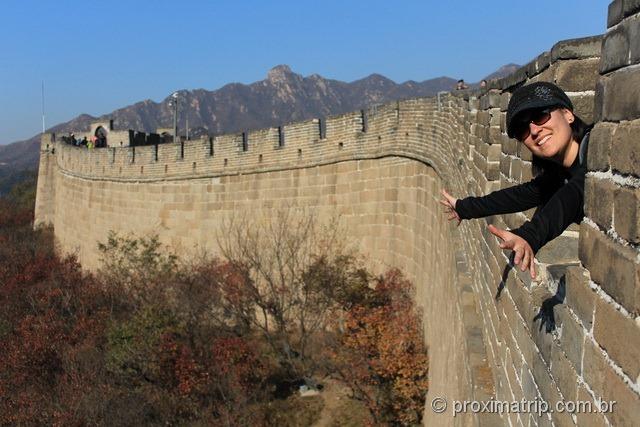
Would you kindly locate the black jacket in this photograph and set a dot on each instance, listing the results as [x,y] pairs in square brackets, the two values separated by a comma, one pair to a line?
[558,191]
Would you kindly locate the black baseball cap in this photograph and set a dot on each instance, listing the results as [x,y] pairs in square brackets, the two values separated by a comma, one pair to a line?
[533,96]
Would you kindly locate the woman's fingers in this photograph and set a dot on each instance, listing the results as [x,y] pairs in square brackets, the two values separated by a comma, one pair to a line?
[532,269]
[525,260]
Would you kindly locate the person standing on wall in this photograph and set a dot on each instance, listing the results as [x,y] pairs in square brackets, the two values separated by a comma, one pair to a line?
[540,116]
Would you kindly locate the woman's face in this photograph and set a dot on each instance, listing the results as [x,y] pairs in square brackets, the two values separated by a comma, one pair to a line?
[550,140]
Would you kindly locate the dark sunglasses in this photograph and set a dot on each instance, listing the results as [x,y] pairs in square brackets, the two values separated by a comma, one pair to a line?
[537,117]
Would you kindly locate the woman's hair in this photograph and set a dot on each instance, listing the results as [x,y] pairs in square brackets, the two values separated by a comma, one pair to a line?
[579,128]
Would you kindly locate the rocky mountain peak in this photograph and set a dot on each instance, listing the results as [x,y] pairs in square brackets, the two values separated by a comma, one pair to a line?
[280,73]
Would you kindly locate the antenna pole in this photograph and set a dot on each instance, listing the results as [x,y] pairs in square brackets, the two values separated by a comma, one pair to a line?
[43,128]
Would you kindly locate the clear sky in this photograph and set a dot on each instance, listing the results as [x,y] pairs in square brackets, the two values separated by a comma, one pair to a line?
[97,56]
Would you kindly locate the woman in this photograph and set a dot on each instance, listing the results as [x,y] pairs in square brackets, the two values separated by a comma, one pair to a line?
[540,115]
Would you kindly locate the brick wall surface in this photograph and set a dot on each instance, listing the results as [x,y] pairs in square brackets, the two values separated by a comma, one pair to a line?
[493,333]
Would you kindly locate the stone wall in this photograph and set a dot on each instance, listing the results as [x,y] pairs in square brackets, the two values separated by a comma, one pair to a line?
[572,335]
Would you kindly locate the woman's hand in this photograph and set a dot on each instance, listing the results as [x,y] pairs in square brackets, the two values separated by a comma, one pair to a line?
[523,253]
[449,203]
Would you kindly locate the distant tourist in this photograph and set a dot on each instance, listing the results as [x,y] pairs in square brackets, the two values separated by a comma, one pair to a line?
[483,84]
[540,116]
[461,85]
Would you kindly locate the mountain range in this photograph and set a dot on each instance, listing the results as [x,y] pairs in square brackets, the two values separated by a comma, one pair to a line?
[282,97]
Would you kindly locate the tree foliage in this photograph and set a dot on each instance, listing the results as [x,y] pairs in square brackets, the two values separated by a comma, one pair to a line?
[150,339]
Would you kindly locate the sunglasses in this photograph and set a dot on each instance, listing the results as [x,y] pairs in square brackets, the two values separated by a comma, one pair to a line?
[537,117]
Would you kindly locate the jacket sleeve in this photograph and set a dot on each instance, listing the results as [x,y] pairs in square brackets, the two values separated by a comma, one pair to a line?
[563,208]
[508,200]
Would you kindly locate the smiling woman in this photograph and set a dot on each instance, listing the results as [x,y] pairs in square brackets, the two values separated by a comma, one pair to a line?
[540,116]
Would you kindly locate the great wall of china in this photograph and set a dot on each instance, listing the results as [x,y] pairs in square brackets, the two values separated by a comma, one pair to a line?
[381,171]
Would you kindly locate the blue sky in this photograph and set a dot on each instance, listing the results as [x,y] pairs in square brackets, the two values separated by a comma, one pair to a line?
[95,57]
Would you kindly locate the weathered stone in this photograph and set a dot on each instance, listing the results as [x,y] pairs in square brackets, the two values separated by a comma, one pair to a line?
[585,47]
[583,106]
[514,79]
[572,340]
[561,250]
[627,214]
[577,75]
[494,152]
[504,100]
[615,13]
[621,96]
[627,402]
[564,374]
[611,265]
[593,366]
[600,146]
[598,102]
[484,118]
[523,152]
[493,171]
[527,173]
[505,165]
[516,168]
[633,29]
[579,296]
[619,335]
[598,200]
[509,145]
[490,99]
[630,7]
[615,49]
[625,147]
[588,419]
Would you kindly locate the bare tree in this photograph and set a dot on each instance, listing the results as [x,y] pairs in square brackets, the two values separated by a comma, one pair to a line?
[285,291]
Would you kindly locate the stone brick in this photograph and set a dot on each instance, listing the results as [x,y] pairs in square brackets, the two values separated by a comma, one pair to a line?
[516,169]
[598,200]
[528,383]
[594,366]
[490,99]
[505,165]
[615,49]
[619,335]
[523,152]
[572,339]
[484,118]
[615,13]
[583,106]
[494,153]
[504,101]
[579,296]
[526,172]
[613,266]
[633,29]
[495,135]
[577,75]
[621,95]
[627,214]
[564,374]
[509,145]
[586,47]
[630,7]
[600,146]
[625,147]
[627,406]
[588,419]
